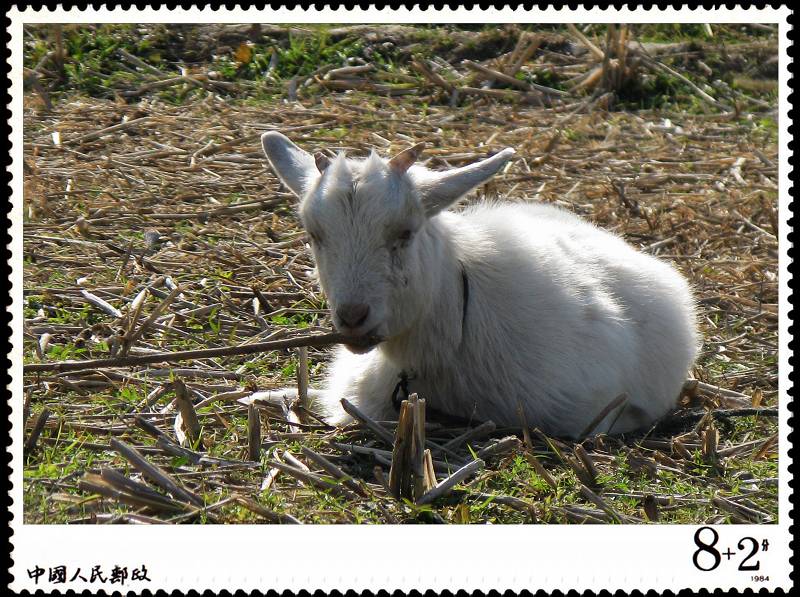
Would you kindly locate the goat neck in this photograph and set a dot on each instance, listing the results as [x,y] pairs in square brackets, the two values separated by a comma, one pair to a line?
[435,335]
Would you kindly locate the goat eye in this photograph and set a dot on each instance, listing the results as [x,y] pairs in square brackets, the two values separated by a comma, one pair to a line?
[404,236]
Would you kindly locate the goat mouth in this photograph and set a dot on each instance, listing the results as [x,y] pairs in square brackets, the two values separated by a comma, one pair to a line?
[362,344]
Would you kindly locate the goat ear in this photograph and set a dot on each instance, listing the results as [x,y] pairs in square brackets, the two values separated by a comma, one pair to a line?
[445,188]
[295,167]
[406,158]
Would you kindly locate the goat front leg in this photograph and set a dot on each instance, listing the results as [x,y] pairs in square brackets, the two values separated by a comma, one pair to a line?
[366,380]
[288,395]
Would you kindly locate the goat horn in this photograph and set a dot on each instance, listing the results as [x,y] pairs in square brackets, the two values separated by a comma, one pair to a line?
[403,160]
[322,161]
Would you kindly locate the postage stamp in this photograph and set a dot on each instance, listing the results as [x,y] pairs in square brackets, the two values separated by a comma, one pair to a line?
[299,294]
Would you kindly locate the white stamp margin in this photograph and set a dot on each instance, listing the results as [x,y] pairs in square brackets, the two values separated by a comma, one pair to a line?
[549,557]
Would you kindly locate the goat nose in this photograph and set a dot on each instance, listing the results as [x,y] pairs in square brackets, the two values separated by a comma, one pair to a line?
[353,315]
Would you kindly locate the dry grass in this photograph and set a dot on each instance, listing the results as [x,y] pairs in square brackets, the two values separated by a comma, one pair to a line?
[179,197]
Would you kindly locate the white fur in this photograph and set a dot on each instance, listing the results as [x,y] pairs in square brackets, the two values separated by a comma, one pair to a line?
[562,317]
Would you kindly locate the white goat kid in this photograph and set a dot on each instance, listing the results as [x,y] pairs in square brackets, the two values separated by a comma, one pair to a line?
[495,309]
